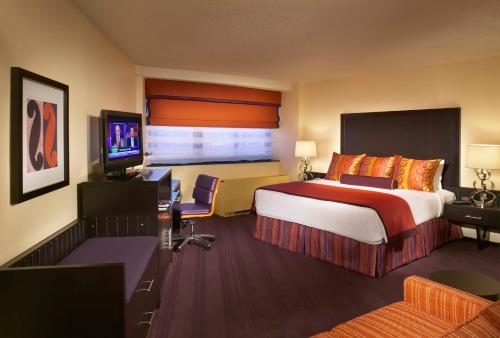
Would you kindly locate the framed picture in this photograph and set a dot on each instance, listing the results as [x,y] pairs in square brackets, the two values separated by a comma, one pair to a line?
[39,155]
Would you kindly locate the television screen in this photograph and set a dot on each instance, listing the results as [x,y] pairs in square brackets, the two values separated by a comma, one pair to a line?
[123,137]
[121,141]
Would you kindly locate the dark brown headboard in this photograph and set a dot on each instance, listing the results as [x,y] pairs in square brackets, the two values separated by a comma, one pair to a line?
[421,134]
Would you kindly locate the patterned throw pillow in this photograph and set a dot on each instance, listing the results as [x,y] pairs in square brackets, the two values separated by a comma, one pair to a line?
[343,164]
[377,166]
[416,174]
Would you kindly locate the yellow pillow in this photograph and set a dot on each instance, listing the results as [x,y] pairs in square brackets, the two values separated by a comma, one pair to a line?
[343,164]
[416,174]
[377,166]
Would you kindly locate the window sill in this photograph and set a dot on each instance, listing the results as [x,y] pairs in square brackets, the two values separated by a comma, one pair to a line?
[167,164]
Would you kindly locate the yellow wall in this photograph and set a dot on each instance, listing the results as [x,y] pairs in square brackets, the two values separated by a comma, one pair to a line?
[188,174]
[288,132]
[474,86]
[54,39]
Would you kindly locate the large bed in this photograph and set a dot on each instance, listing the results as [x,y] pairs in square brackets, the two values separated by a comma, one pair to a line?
[354,236]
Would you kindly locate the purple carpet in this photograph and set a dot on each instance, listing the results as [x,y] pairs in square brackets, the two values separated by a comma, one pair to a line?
[246,288]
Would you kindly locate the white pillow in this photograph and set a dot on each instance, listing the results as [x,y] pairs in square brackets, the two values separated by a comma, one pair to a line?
[438,177]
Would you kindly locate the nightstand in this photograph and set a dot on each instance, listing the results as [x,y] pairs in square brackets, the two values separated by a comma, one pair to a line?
[317,174]
[482,219]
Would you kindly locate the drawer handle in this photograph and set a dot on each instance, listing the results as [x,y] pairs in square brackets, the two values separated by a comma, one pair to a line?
[473,217]
[151,317]
[149,284]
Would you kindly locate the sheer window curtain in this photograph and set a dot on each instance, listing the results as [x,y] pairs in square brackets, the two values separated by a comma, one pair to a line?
[206,144]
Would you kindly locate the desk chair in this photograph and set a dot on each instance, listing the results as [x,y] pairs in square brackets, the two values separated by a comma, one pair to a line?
[204,194]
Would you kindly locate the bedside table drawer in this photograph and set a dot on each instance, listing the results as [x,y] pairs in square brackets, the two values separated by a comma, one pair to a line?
[464,215]
[489,217]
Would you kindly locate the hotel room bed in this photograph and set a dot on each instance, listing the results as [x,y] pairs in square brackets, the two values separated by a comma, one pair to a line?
[354,236]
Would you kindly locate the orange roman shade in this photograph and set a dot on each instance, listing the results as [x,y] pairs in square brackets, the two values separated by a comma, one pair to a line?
[192,104]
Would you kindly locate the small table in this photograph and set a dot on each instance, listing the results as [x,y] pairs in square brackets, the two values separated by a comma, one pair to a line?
[482,219]
[469,281]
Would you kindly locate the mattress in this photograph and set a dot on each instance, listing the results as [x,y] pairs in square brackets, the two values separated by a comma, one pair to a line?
[360,223]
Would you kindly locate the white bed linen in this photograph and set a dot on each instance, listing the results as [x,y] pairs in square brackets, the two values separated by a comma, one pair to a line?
[360,223]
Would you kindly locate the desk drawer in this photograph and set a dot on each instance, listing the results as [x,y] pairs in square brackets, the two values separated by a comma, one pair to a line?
[148,313]
[147,293]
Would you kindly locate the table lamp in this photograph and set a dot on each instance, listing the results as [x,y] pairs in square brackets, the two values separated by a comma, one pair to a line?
[483,158]
[305,150]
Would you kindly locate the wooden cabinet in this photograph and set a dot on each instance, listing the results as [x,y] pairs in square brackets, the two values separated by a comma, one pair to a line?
[130,207]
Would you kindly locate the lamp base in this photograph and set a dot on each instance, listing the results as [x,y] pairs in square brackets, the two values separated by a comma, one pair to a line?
[305,169]
[484,197]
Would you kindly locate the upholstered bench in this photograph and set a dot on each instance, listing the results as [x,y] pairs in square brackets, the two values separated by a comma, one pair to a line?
[134,252]
[75,284]
[429,309]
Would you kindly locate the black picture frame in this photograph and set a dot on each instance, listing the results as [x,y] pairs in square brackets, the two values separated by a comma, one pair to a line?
[21,101]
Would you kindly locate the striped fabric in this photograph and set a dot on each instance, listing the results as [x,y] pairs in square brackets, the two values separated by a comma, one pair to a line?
[377,166]
[416,174]
[429,309]
[446,303]
[395,320]
[343,164]
[368,259]
[486,325]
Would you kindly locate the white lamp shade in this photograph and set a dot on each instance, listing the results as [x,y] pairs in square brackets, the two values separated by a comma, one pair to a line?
[483,156]
[305,149]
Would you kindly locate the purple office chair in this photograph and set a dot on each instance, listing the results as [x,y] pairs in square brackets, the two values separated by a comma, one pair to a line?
[204,193]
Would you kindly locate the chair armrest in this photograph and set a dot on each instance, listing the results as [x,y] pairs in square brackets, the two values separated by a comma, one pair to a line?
[444,302]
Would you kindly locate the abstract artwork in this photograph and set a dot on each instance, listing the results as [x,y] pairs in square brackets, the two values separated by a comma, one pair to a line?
[39,137]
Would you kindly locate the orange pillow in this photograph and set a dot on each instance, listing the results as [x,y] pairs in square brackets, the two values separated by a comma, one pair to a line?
[343,164]
[416,174]
[377,166]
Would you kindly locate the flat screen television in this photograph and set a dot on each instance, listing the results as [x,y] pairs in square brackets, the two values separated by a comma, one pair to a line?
[121,141]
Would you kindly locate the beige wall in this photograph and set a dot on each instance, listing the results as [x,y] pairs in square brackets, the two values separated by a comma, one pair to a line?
[188,174]
[288,132]
[54,39]
[474,86]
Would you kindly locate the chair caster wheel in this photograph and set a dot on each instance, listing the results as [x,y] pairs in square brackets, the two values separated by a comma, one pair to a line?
[207,248]
[211,239]
[176,249]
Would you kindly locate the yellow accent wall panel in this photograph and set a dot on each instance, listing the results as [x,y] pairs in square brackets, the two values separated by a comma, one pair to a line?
[236,195]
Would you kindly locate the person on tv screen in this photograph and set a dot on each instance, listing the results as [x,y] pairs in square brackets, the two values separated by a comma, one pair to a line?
[132,140]
[117,140]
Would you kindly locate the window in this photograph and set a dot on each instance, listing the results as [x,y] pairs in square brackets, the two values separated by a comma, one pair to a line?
[175,145]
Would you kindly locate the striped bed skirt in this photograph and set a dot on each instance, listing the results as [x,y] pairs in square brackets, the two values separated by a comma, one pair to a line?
[370,259]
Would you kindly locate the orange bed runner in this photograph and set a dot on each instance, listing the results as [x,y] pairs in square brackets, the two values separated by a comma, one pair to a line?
[394,212]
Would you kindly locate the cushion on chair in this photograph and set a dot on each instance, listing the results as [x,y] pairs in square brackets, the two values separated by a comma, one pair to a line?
[204,189]
[192,208]
[206,182]
[135,252]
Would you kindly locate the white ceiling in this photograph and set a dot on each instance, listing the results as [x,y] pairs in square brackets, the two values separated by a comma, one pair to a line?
[297,40]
